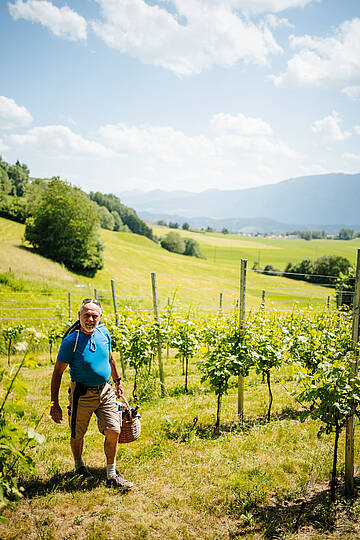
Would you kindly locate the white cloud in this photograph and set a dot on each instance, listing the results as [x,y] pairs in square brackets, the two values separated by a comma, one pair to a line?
[330,127]
[13,115]
[275,22]
[321,61]
[274,6]
[357,130]
[58,142]
[62,22]
[214,34]
[239,125]
[352,92]
[240,151]
[3,146]
[352,157]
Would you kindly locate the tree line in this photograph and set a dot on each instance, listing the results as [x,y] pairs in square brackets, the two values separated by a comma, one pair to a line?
[62,222]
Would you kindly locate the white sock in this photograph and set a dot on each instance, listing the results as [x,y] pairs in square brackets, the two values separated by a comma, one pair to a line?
[111,470]
[79,463]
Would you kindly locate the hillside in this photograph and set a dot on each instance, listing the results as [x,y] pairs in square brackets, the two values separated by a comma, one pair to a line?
[327,201]
[130,259]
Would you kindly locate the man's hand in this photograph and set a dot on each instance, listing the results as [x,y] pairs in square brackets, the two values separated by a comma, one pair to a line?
[119,389]
[56,413]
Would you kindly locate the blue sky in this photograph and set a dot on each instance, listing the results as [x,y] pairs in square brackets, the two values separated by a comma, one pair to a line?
[115,95]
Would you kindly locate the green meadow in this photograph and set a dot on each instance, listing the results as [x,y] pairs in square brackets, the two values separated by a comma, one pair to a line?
[186,281]
[253,481]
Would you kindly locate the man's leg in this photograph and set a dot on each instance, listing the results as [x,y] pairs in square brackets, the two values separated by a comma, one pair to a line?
[77,447]
[80,467]
[109,424]
[110,447]
[81,406]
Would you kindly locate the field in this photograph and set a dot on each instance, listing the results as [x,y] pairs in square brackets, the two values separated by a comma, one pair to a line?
[129,260]
[254,480]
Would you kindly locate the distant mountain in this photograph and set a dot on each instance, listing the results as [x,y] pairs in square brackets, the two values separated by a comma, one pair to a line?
[329,200]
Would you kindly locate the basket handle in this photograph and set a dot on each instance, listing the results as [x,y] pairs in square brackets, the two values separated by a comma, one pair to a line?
[122,396]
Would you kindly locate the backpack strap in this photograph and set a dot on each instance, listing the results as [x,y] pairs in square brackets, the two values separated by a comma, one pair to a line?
[76,340]
[105,336]
[72,328]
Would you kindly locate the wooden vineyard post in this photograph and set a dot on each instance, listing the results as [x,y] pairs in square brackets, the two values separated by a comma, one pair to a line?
[167,346]
[95,294]
[114,302]
[220,301]
[122,365]
[350,426]
[340,295]
[158,336]
[263,300]
[241,322]
[116,322]
[69,305]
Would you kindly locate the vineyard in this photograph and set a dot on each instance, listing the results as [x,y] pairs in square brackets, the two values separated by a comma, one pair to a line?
[299,364]
[244,411]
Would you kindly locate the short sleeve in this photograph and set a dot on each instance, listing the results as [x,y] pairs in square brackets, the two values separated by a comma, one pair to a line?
[66,349]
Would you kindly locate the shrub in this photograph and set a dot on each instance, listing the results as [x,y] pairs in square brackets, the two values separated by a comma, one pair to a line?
[173,242]
[64,227]
[192,248]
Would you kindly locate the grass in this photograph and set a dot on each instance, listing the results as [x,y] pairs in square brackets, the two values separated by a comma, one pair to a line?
[130,259]
[253,481]
[228,249]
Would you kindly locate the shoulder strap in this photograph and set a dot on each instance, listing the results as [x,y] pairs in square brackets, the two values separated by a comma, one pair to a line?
[76,340]
[72,328]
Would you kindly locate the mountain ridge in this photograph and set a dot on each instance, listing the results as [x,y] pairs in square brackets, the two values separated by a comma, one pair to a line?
[329,200]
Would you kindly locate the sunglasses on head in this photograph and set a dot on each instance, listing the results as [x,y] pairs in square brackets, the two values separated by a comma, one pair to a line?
[90,301]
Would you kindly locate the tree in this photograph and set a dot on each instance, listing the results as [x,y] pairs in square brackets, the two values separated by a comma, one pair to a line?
[300,270]
[5,184]
[306,235]
[65,227]
[345,234]
[185,226]
[173,225]
[192,248]
[118,222]
[19,177]
[225,230]
[32,193]
[330,265]
[173,242]
[107,221]
[127,215]
[270,270]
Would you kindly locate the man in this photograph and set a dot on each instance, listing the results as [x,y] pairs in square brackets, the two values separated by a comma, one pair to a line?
[88,353]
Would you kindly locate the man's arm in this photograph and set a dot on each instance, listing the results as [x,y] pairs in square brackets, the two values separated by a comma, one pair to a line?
[55,411]
[119,389]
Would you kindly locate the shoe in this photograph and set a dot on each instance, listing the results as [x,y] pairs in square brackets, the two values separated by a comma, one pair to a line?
[118,482]
[84,473]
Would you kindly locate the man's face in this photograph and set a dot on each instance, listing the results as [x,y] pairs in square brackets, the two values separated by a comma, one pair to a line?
[89,317]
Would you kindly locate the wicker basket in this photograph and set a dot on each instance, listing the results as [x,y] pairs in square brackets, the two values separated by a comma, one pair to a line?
[130,429]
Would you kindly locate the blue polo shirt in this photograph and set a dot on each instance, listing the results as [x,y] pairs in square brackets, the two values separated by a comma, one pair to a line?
[89,363]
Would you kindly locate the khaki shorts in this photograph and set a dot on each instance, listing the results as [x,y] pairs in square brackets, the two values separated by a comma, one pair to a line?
[84,401]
